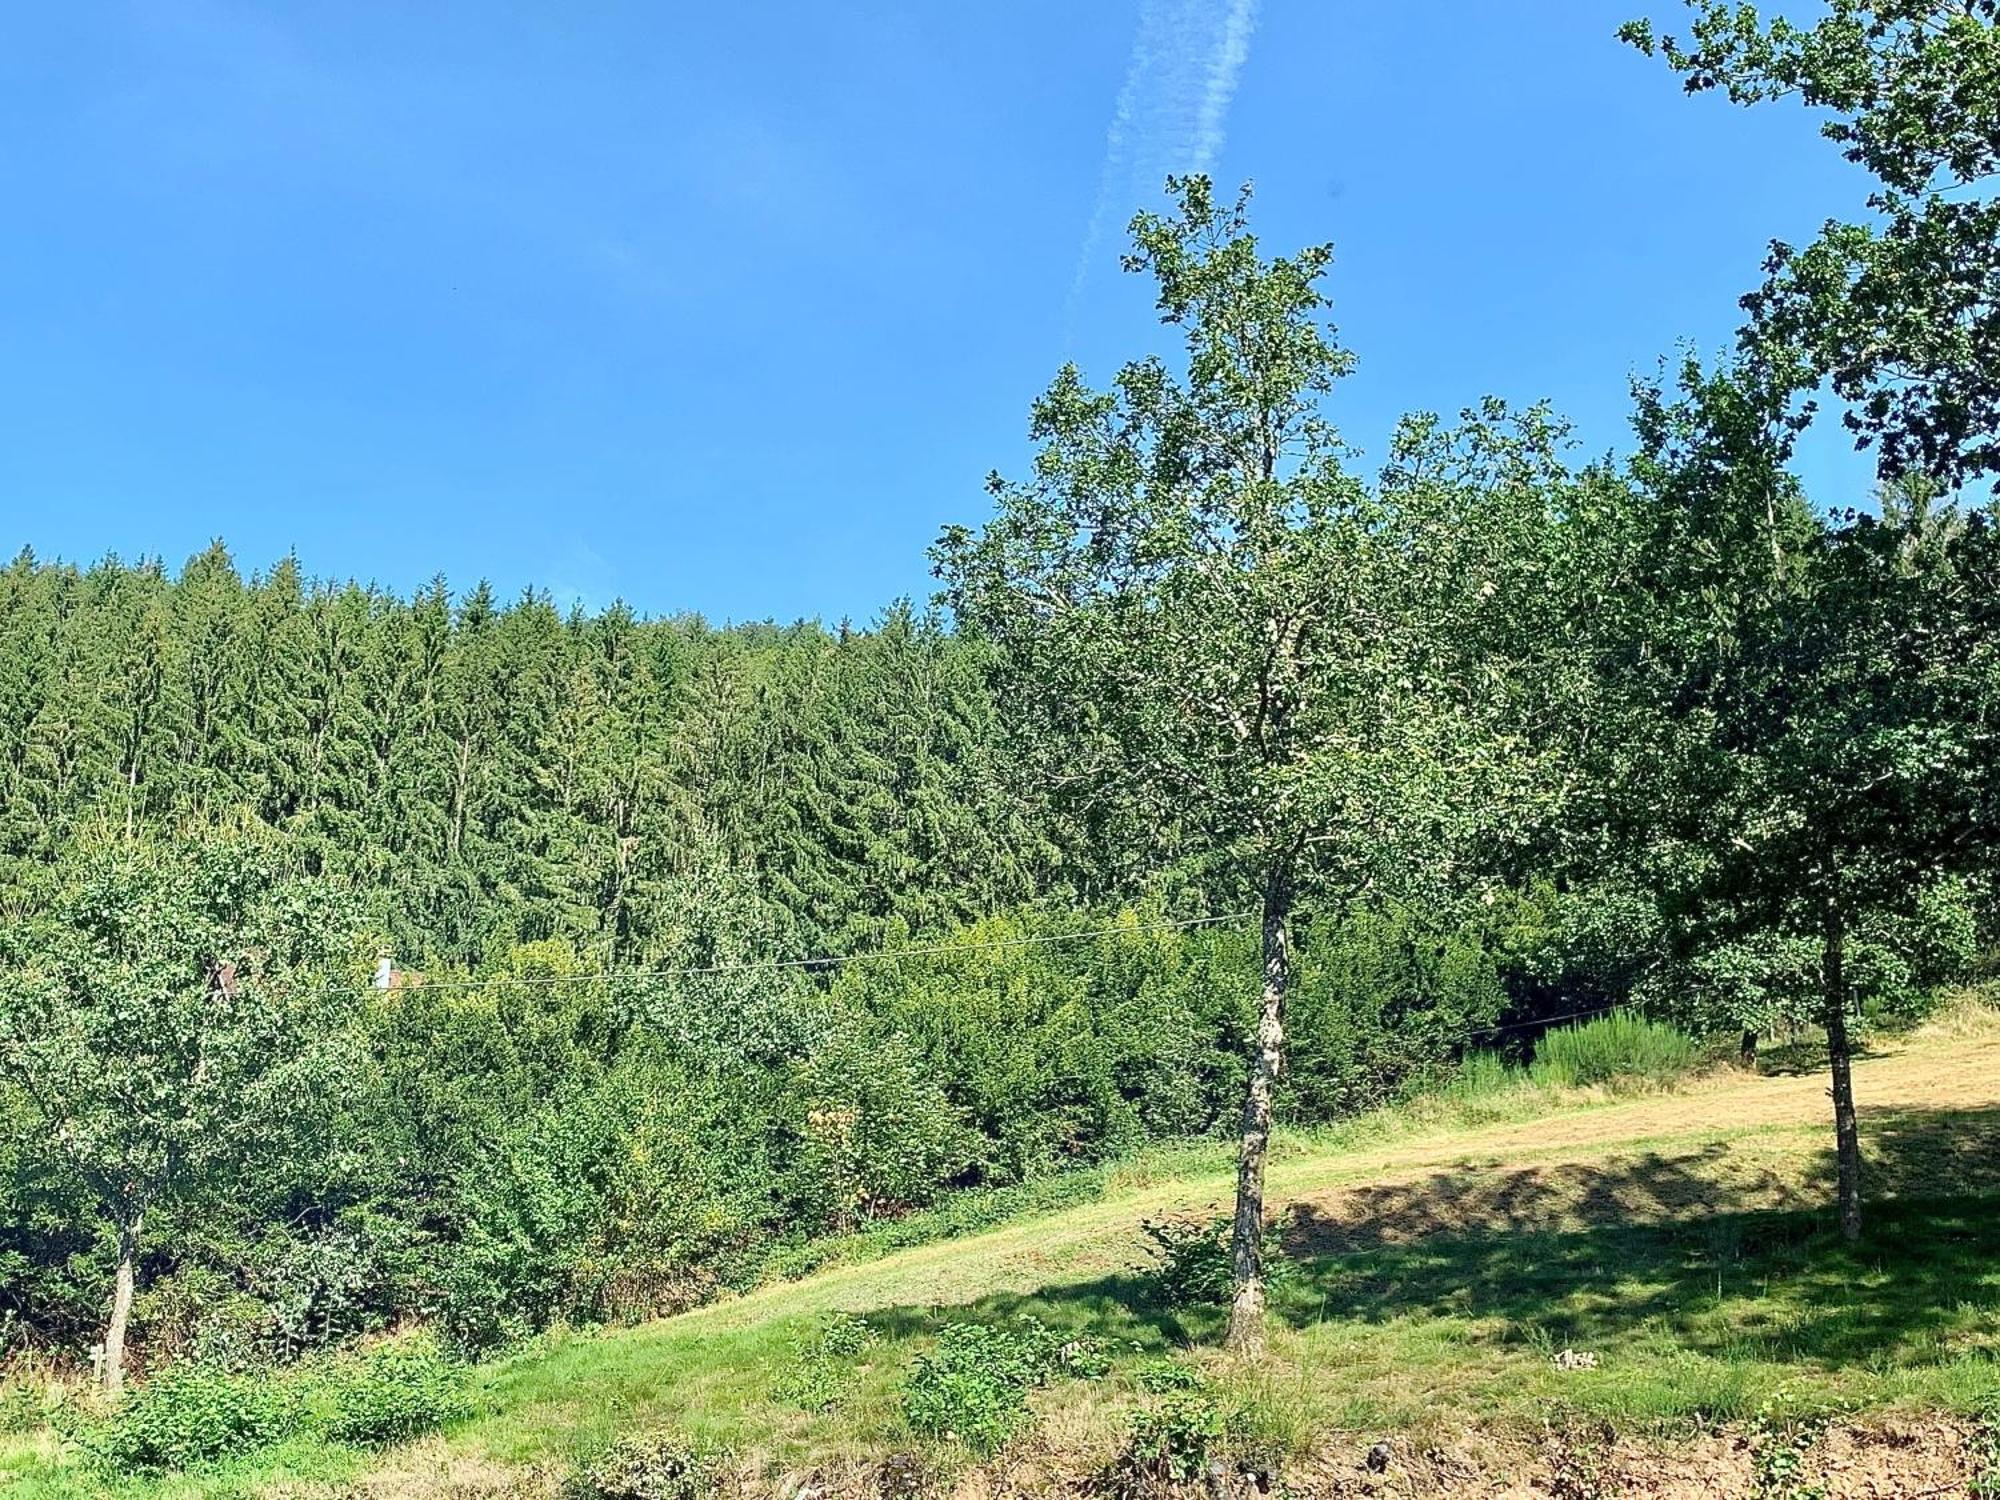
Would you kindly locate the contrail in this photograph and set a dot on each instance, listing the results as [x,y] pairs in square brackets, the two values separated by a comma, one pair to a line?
[1172,110]
[1223,71]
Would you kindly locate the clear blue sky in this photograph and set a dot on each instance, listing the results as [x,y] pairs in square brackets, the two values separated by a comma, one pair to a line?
[730,307]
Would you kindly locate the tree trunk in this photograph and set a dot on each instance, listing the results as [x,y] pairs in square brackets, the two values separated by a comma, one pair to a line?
[1246,1314]
[1846,1132]
[113,1376]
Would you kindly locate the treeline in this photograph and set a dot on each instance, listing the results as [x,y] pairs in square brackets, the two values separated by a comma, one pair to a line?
[504,772]
[513,802]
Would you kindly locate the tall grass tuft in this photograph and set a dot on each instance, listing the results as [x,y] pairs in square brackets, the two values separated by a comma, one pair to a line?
[1612,1049]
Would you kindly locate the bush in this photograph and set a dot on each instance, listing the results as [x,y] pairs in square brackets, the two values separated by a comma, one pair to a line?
[1192,1263]
[651,1468]
[816,1379]
[1162,1376]
[1379,1001]
[1985,1452]
[1612,1049]
[393,1394]
[1174,1440]
[1193,1266]
[973,1388]
[191,1416]
[1944,934]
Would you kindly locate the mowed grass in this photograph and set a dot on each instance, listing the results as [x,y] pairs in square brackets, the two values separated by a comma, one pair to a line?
[1438,1260]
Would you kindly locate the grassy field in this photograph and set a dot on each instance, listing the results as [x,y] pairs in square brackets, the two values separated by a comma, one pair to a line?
[1440,1258]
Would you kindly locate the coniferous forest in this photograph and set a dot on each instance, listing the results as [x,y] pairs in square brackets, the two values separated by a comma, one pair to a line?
[454,960]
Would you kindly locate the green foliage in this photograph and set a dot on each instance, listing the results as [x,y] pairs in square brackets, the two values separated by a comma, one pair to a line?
[1985,1453]
[820,1367]
[1174,1439]
[661,1467]
[1191,1260]
[1941,939]
[1621,1048]
[190,1416]
[1178,588]
[1164,1376]
[878,1134]
[1784,1433]
[392,1393]
[193,1414]
[1899,312]
[1055,1053]
[972,1388]
[1380,1000]
[20,1407]
[161,1017]
[1480,1076]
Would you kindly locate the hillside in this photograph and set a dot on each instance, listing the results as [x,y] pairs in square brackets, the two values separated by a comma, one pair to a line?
[1437,1267]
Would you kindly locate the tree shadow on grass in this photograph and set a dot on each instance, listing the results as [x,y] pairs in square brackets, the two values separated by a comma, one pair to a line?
[1806,1054]
[1687,1249]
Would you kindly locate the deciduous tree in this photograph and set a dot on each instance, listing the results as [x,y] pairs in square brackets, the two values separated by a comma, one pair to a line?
[1223,639]
[164,1015]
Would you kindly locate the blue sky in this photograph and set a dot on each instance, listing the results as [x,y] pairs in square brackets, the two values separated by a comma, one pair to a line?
[729,308]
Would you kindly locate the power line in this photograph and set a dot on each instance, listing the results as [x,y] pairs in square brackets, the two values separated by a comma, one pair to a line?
[933,950]
[828,961]
[1573,1015]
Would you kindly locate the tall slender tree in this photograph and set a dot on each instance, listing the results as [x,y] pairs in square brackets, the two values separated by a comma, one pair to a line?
[1807,722]
[1215,630]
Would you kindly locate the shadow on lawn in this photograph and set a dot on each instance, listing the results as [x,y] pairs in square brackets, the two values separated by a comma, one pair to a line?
[1680,1247]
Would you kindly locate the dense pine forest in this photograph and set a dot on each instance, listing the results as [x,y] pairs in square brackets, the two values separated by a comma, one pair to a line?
[504,773]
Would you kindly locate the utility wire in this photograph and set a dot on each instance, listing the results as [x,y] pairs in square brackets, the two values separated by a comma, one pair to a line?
[770,965]
[933,950]
[1574,1015]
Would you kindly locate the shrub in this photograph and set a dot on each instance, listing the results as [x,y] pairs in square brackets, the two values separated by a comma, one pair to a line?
[1084,1358]
[816,1379]
[1378,1003]
[190,1416]
[1984,1452]
[1944,934]
[1612,1049]
[1174,1440]
[394,1393]
[875,1134]
[1783,1435]
[973,1387]
[1192,1265]
[661,1467]
[1161,1376]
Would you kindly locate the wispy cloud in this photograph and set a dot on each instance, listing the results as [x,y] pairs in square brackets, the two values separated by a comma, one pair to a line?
[1172,113]
[1224,68]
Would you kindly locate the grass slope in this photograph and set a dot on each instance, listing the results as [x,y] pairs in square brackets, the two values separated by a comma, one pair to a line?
[1439,1260]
